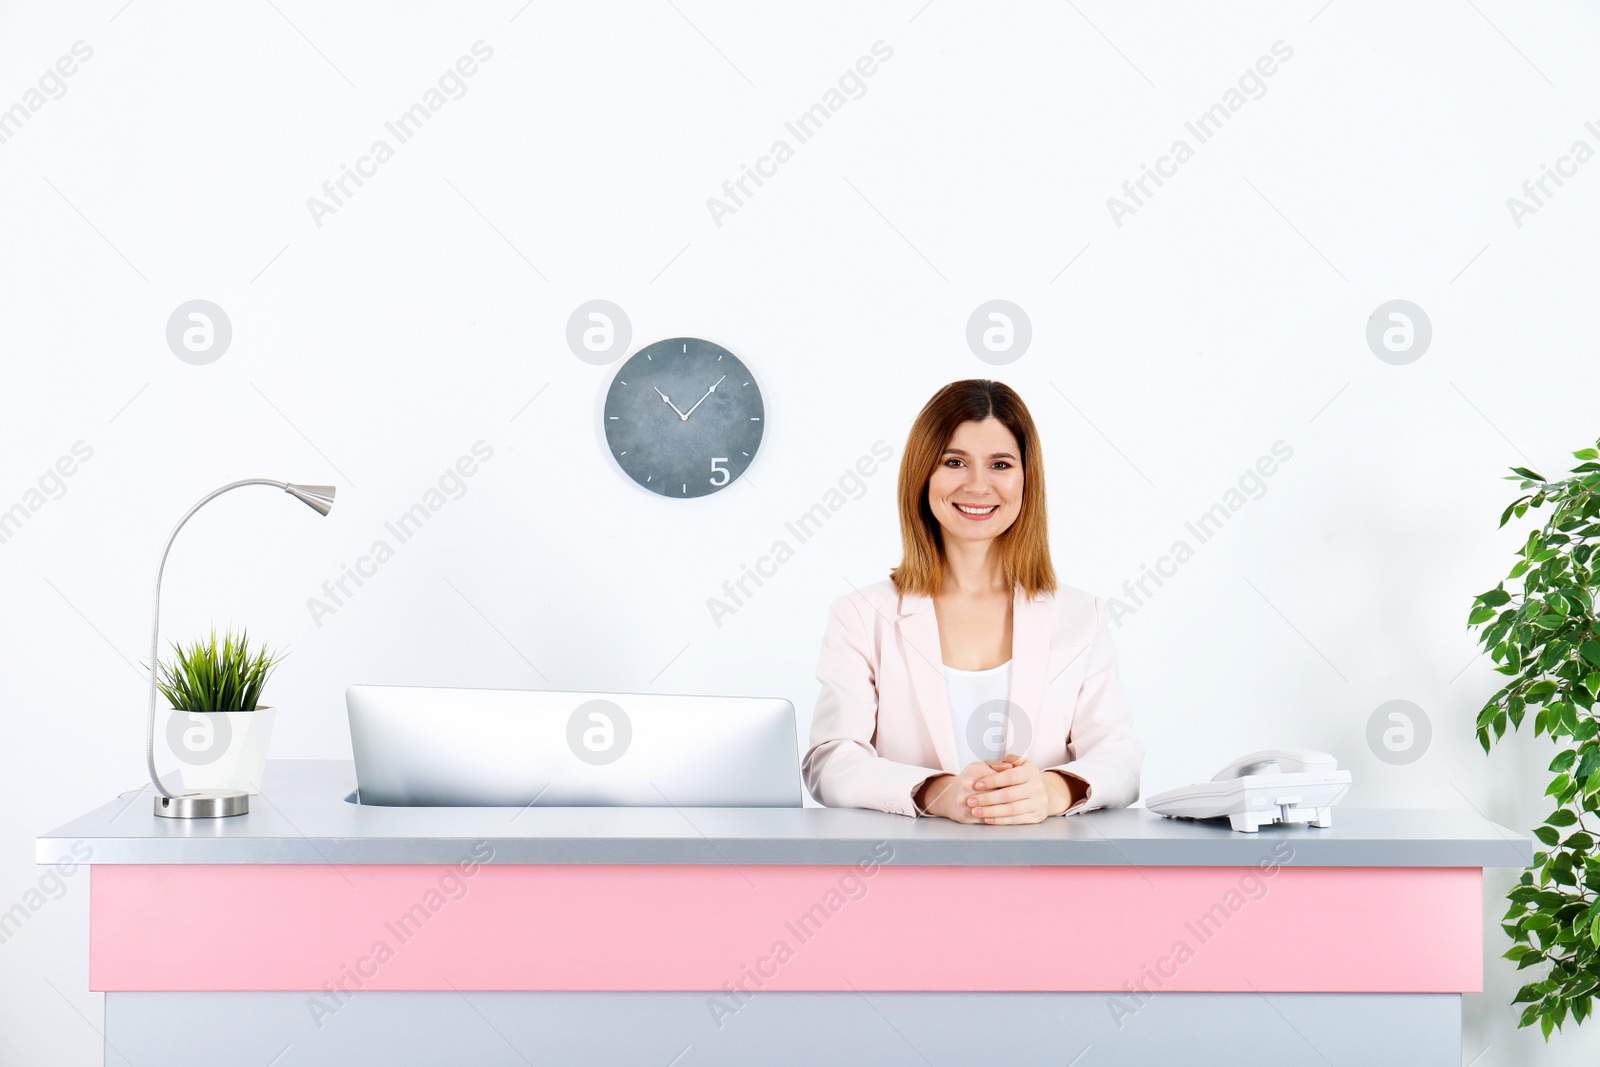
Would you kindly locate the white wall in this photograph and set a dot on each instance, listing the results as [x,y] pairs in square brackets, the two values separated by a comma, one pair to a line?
[1224,315]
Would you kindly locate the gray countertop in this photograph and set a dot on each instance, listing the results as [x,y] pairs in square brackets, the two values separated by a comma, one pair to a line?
[303,816]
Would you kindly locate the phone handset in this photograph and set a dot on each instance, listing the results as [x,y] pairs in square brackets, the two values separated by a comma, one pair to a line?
[1278,761]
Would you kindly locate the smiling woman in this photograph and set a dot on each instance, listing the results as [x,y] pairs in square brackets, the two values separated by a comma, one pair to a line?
[969,685]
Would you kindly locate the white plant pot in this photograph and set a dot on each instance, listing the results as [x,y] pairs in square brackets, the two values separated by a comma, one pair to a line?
[221,749]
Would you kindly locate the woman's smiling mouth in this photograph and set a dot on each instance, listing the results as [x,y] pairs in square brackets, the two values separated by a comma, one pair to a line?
[973,511]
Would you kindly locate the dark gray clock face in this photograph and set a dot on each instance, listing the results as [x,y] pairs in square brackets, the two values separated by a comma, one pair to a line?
[684,417]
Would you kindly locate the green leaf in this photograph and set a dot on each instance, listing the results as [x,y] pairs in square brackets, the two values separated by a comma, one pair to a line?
[1526,473]
[1586,453]
[1480,616]
[1561,816]
[1511,508]
[209,677]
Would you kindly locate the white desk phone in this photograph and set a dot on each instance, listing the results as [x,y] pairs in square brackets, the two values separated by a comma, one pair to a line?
[1286,785]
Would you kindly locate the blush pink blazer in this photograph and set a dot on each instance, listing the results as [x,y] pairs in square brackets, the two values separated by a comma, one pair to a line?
[882,724]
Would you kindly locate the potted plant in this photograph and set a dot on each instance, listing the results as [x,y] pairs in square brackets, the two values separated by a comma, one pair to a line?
[1545,637]
[218,730]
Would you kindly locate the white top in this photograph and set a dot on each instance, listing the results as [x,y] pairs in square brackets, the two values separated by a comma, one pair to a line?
[978,702]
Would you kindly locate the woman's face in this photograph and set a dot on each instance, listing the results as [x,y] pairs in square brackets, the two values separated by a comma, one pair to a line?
[976,489]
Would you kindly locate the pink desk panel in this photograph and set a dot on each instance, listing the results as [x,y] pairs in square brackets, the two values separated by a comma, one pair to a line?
[708,927]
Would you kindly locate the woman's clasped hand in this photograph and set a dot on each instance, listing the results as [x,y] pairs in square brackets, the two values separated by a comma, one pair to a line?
[1008,790]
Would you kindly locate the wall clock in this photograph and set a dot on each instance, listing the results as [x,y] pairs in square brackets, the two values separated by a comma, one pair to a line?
[684,417]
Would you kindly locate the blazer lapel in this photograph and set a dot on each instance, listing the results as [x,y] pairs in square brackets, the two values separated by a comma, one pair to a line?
[918,629]
[1031,625]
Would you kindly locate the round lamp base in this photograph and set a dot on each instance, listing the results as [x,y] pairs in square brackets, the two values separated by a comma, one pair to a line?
[203,804]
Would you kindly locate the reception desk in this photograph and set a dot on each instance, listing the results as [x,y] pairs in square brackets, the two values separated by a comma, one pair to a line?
[315,930]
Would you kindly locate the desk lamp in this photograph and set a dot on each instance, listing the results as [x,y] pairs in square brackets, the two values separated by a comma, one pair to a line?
[207,803]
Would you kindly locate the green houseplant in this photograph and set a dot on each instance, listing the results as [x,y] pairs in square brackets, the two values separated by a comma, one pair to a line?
[1544,636]
[219,730]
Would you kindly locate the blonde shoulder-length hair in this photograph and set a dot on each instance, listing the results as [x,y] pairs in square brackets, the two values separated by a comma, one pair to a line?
[1025,546]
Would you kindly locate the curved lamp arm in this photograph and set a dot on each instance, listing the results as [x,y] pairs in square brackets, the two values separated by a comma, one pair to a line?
[319,497]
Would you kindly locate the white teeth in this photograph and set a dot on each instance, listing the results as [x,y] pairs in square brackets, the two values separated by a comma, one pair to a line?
[976,511]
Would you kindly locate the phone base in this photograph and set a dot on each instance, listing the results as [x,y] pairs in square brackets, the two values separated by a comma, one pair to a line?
[1248,822]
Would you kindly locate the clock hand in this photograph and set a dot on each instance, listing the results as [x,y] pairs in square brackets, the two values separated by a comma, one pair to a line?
[702,400]
[671,405]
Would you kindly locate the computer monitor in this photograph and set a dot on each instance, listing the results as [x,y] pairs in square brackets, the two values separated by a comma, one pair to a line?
[433,747]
